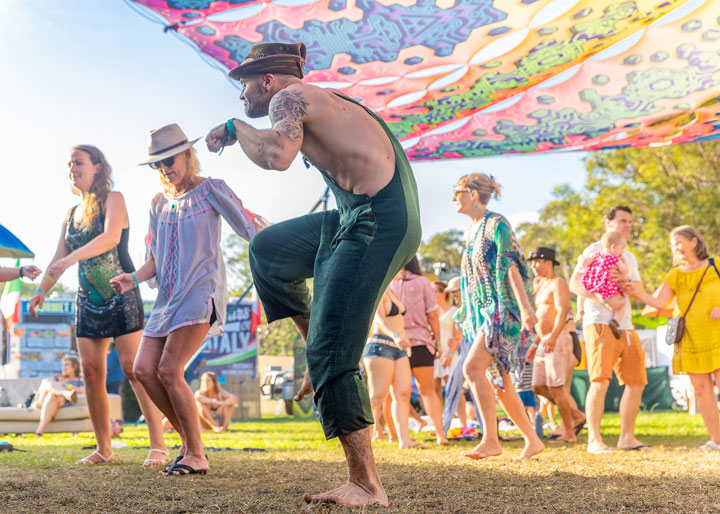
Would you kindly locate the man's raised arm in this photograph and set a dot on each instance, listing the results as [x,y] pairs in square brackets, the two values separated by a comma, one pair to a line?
[274,148]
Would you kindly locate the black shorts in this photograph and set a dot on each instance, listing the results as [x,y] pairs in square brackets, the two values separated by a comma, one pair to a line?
[421,357]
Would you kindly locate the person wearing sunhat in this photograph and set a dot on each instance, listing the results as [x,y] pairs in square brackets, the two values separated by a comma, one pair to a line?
[186,263]
[553,358]
[352,253]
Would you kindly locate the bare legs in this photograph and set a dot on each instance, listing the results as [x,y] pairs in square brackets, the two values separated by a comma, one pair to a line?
[49,406]
[159,367]
[426,385]
[380,372]
[127,348]
[594,409]
[629,408]
[477,362]
[703,385]
[93,356]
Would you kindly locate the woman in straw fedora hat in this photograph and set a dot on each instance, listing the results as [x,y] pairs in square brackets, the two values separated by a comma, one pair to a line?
[95,236]
[186,263]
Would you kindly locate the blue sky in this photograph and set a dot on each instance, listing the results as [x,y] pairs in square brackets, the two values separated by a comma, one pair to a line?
[96,72]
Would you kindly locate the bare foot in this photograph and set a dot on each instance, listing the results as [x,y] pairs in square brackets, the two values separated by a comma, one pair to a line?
[442,441]
[532,449]
[350,495]
[483,451]
[379,437]
[218,429]
[305,389]
[420,425]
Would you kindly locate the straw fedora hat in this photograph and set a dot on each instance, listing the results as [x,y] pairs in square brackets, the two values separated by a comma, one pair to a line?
[166,141]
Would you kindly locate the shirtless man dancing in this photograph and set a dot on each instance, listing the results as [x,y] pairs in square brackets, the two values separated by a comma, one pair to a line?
[554,357]
[352,253]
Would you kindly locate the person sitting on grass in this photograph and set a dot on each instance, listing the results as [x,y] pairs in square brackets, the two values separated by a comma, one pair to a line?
[57,392]
[215,406]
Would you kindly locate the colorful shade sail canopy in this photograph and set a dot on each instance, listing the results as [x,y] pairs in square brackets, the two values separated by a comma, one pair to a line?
[469,78]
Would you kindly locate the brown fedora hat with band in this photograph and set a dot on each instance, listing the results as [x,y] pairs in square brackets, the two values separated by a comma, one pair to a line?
[166,141]
[287,58]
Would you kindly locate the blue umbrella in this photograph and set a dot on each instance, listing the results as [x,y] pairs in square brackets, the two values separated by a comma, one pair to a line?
[11,246]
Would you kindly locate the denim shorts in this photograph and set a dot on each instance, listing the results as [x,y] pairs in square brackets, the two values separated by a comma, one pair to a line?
[382,346]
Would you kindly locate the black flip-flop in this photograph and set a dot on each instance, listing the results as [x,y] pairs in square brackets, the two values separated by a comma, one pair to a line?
[177,459]
[579,428]
[639,447]
[184,469]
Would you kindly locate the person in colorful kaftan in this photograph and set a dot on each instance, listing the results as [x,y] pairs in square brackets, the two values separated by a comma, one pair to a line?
[495,312]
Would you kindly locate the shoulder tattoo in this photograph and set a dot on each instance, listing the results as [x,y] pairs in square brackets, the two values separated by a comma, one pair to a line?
[287,112]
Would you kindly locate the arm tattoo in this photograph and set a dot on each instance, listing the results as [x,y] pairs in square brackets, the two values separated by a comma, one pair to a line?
[287,112]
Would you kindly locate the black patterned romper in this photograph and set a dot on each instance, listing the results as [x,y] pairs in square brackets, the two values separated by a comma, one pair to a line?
[100,311]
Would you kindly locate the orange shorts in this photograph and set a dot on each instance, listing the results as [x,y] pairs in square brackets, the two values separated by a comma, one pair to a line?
[605,353]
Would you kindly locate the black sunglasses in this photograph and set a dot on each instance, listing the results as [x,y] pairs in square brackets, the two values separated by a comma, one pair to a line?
[167,162]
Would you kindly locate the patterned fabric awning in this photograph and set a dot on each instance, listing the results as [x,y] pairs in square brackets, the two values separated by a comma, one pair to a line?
[468,78]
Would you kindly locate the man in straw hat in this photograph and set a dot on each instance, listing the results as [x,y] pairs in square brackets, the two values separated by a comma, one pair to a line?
[352,253]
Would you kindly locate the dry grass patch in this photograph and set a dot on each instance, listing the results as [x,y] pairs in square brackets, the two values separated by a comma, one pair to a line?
[673,478]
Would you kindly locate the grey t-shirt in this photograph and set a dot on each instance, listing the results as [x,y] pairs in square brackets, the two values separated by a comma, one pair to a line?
[595,312]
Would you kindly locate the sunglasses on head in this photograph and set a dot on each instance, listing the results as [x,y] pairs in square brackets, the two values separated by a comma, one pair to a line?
[167,162]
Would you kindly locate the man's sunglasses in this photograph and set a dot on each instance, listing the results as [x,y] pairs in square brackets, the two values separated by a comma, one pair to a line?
[167,162]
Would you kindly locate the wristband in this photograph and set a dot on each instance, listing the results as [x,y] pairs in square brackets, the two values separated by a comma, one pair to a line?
[230,127]
[39,290]
[451,354]
[135,279]
[396,335]
[22,272]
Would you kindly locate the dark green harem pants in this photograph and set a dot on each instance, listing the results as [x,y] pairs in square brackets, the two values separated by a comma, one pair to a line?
[352,253]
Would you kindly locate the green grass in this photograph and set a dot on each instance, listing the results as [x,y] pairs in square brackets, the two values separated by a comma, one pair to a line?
[673,478]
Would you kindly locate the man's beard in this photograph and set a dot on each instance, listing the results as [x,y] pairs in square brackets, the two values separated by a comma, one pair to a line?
[256,109]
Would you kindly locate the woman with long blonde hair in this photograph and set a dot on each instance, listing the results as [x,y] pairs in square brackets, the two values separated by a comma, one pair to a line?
[95,236]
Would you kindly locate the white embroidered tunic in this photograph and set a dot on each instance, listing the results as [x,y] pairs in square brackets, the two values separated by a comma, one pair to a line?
[184,238]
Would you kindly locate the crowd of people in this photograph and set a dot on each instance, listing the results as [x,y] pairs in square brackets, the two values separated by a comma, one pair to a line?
[367,280]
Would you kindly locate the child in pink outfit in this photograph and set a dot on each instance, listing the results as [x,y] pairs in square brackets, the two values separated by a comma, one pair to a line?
[597,279]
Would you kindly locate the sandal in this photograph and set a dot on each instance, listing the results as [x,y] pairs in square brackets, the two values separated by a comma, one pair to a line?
[184,469]
[157,463]
[104,460]
[709,446]
[177,459]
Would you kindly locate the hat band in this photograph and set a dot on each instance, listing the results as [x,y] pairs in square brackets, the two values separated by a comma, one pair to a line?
[169,147]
